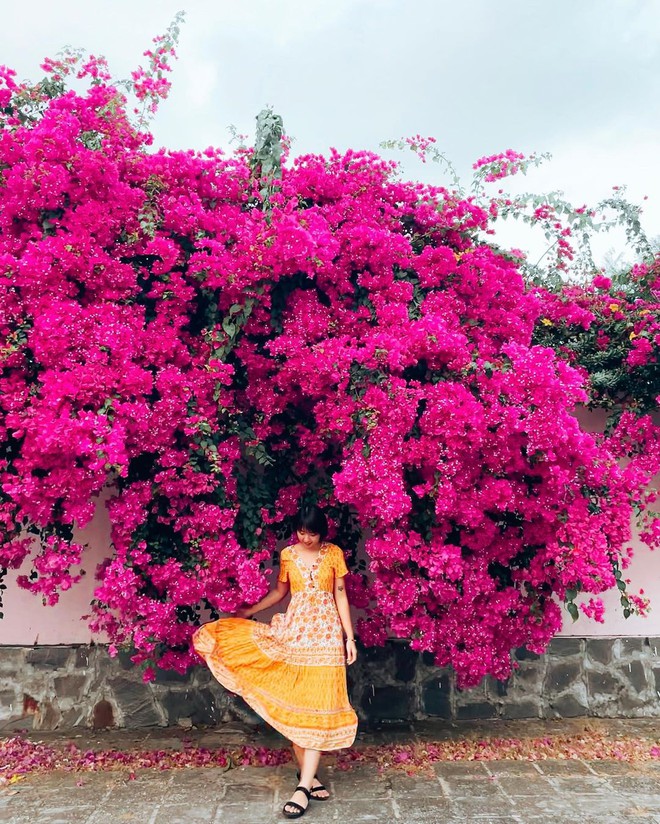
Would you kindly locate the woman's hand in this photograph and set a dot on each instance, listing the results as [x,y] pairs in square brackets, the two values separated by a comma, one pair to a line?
[243,612]
[351,651]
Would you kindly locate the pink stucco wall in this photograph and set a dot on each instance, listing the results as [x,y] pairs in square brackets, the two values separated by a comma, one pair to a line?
[28,622]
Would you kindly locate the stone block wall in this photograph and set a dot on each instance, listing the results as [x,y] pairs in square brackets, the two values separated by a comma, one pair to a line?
[64,687]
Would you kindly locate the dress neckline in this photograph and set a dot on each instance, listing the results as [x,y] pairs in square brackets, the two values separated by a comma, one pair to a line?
[309,571]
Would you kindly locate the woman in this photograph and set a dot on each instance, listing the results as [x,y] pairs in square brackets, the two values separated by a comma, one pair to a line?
[292,671]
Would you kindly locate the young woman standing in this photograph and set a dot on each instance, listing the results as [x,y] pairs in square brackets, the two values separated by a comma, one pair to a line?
[293,670]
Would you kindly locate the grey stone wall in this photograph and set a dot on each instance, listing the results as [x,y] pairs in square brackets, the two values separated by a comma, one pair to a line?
[64,687]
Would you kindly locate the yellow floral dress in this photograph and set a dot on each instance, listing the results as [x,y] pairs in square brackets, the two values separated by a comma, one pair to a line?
[293,670]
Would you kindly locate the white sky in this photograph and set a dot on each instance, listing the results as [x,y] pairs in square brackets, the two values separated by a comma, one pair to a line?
[577,78]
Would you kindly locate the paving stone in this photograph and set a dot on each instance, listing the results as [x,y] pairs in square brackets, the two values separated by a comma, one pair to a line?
[528,678]
[244,793]
[436,696]
[418,787]
[428,810]
[631,703]
[524,786]
[480,807]
[197,782]
[561,675]
[521,709]
[69,686]
[599,650]
[471,788]
[635,673]
[82,657]
[198,705]
[240,711]
[533,818]
[11,659]
[50,657]
[636,784]
[647,803]
[362,783]
[560,767]
[607,768]
[387,703]
[568,706]
[580,784]
[405,662]
[565,646]
[148,788]
[363,811]
[495,688]
[124,658]
[47,717]
[122,814]
[459,770]
[78,815]
[573,809]
[254,814]
[512,768]
[498,792]
[478,710]
[627,647]
[656,676]
[136,701]
[8,699]
[603,683]
[172,677]
[91,792]
[185,814]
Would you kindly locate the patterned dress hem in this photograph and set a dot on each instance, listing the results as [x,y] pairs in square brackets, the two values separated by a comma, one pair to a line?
[334,739]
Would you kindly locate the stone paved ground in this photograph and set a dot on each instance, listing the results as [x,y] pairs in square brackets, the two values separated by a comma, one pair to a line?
[501,792]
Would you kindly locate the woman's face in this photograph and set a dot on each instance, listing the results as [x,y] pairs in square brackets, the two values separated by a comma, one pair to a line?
[310,540]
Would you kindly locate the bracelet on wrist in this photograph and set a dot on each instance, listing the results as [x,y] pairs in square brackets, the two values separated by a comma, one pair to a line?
[350,639]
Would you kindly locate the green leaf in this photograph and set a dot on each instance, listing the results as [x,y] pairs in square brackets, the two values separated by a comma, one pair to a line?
[572,610]
[229,327]
[621,585]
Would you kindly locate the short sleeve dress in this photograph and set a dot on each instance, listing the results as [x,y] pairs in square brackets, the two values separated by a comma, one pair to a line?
[293,670]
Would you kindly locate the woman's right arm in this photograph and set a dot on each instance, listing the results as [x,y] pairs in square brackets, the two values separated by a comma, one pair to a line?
[273,597]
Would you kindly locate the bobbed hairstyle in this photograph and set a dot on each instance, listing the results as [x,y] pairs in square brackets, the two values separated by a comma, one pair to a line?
[311,519]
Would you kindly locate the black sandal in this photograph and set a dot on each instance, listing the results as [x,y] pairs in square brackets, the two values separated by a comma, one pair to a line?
[320,788]
[299,809]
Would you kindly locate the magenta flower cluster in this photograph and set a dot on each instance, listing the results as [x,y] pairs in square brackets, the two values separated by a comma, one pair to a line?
[212,361]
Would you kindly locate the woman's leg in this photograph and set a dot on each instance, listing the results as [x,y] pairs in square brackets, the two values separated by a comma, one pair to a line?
[310,764]
[299,753]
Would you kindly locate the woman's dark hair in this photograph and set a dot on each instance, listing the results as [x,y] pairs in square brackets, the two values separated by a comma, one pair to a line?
[311,519]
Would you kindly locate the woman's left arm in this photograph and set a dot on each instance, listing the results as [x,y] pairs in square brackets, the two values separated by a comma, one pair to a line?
[344,610]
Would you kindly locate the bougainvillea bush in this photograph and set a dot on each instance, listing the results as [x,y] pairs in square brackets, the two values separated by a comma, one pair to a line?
[218,339]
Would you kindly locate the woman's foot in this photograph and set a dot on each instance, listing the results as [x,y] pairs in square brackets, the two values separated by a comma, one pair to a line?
[318,791]
[297,805]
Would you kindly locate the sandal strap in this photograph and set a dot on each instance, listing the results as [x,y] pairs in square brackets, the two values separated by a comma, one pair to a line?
[298,807]
[303,790]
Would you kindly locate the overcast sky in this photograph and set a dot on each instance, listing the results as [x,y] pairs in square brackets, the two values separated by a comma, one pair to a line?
[577,78]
